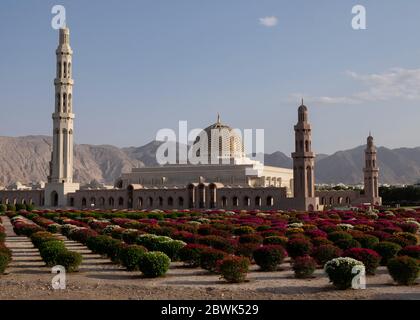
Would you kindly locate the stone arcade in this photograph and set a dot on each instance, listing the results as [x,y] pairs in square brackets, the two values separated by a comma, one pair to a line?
[241,184]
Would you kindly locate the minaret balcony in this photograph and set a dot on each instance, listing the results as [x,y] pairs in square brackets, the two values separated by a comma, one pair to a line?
[63,81]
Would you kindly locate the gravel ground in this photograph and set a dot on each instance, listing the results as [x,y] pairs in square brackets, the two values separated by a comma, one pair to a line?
[28,278]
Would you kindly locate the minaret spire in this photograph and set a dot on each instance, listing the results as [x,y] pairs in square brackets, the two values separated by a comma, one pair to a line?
[371,173]
[304,163]
[60,179]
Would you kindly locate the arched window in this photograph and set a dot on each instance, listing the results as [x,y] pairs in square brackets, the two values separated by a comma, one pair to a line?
[307,146]
[101,201]
[64,102]
[150,201]
[160,201]
[58,102]
[69,70]
[140,202]
[247,201]
[258,201]
[84,202]
[348,200]
[93,201]
[120,201]
[235,201]
[331,200]
[224,202]
[170,201]
[270,201]
[69,103]
[111,201]
[180,202]
[65,69]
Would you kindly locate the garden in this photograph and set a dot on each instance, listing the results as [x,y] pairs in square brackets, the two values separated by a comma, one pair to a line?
[232,244]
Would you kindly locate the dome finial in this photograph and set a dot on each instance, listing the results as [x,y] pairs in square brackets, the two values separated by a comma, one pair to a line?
[302,102]
[218,118]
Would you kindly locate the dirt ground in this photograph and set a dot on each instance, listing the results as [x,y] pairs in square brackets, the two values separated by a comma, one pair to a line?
[28,278]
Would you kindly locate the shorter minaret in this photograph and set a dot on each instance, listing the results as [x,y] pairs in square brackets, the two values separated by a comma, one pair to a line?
[304,163]
[371,174]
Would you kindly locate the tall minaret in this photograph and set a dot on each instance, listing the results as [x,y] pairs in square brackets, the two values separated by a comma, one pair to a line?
[304,162]
[371,173]
[61,166]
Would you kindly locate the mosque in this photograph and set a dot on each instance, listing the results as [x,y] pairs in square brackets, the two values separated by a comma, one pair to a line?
[239,183]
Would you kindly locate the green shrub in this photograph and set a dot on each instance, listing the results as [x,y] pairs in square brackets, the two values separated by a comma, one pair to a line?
[30,207]
[367,241]
[339,235]
[50,251]
[387,250]
[269,257]
[11,207]
[411,251]
[243,230]
[130,256]
[209,258]
[20,206]
[4,261]
[217,242]
[251,238]
[54,228]
[3,208]
[70,260]
[233,269]
[276,240]
[325,253]
[190,254]
[340,272]
[345,244]
[404,270]
[154,264]
[304,267]
[171,248]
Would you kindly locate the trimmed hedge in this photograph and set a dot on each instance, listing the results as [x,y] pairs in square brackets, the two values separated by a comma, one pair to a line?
[154,264]
[404,270]
[269,257]
[233,269]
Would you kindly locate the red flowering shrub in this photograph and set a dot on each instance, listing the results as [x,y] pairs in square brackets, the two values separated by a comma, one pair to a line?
[233,269]
[411,251]
[190,254]
[269,257]
[209,258]
[409,227]
[370,258]
[217,242]
[298,247]
[316,233]
[381,235]
[246,249]
[325,253]
[82,235]
[345,244]
[304,267]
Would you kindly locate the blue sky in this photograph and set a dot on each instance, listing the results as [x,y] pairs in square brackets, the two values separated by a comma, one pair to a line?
[140,66]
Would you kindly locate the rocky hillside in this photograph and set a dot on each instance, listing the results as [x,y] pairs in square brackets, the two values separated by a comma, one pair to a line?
[25,159]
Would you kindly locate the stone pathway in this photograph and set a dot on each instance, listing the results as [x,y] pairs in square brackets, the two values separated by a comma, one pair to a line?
[25,257]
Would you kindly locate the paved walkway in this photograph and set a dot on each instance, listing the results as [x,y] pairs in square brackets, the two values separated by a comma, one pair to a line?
[25,257]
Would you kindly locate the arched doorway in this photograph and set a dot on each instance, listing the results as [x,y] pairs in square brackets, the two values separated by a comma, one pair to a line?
[54,199]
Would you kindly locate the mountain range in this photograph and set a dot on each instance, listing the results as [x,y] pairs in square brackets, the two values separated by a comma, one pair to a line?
[26,159]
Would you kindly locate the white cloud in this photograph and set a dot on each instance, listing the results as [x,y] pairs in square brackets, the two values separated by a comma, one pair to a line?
[269,21]
[393,84]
